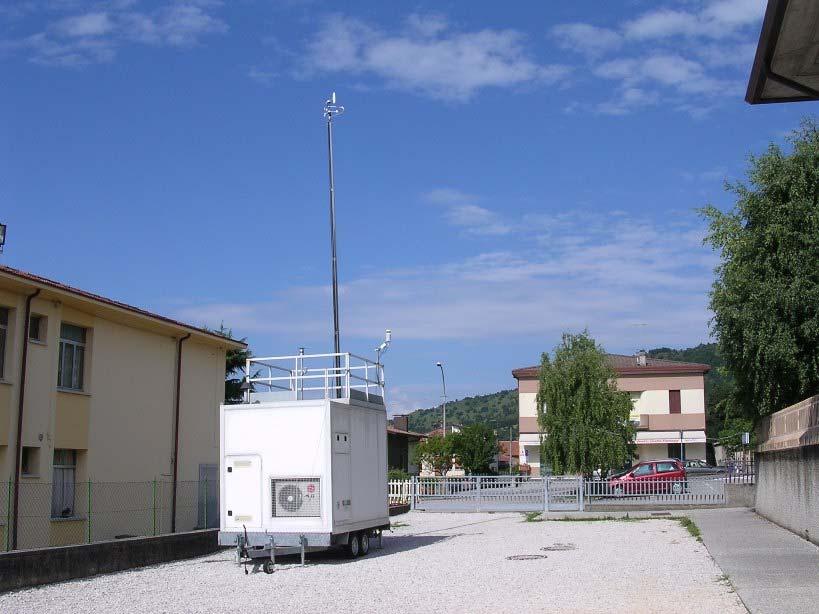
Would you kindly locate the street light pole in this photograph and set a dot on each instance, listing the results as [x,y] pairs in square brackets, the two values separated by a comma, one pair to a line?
[443,384]
[331,109]
[510,451]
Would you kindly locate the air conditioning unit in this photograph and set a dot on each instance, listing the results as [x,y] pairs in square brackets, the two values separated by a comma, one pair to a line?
[295,497]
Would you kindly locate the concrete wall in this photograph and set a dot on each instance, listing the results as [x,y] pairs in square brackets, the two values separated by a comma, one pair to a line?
[787,491]
[24,568]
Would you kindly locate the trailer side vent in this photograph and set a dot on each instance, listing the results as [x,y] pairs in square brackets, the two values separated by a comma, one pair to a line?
[296,497]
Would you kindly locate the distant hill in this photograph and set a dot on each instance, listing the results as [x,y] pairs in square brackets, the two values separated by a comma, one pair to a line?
[499,410]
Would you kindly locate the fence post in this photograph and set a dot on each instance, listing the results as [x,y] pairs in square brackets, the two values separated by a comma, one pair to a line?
[153,508]
[545,493]
[478,495]
[581,494]
[413,490]
[89,510]
[206,504]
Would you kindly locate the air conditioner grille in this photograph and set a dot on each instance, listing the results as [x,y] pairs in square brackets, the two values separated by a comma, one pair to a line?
[295,497]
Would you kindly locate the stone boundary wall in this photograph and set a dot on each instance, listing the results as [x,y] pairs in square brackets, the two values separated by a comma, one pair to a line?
[787,490]
[787,459]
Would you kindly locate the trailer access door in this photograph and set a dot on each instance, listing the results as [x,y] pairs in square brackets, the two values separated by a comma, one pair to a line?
[243,491]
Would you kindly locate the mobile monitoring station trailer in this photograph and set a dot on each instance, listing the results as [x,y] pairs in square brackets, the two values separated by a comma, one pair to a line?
[303,461]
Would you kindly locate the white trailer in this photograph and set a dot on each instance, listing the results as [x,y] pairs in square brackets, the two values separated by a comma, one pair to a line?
[303,461]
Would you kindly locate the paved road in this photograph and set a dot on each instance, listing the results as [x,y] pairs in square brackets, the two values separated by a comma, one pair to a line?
[772,569]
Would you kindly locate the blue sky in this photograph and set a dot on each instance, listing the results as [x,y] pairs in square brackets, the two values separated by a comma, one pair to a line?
[502,176]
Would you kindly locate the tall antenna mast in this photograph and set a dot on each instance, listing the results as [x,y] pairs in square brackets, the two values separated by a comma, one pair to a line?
[331,109]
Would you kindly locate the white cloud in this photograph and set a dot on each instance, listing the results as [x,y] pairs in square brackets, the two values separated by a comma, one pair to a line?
[427,57]
[661,23]
[90,24]
[596,270]
[717,19]
[178,25]
[462,211]
[734,13]
[676,71]
[94,37]
[585,38]
[629,99]
[690,57]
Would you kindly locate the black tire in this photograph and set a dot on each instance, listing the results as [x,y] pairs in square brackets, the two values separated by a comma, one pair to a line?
[268,567]
[363,543]
[677,488]
[353,546]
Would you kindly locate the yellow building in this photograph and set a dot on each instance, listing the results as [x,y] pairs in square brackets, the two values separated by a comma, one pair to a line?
[668,407]
[95,398]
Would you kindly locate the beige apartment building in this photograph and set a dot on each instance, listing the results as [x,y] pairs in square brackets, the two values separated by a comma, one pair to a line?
[93,390]
[668,399]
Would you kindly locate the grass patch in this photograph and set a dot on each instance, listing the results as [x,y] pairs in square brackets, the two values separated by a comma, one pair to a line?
[533,517]
[725,580]
[625,518]
[691,527]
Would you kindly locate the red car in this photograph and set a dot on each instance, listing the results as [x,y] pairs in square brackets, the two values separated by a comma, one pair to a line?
[650,477]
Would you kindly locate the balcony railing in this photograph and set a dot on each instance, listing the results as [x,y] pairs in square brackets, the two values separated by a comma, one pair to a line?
[314,376]
[671,422]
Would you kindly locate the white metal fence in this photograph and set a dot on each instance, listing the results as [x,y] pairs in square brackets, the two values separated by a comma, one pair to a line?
[314,376]
[398,492]
[552,493]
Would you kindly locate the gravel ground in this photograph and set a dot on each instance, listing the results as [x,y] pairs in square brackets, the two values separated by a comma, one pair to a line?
[431,562]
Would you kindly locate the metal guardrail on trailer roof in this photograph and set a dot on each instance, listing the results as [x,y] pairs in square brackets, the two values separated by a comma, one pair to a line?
[315,376]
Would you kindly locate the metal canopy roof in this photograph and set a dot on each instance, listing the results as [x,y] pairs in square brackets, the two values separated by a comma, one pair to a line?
[786,66]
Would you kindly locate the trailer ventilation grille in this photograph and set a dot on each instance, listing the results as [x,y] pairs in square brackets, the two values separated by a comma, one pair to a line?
[295,497]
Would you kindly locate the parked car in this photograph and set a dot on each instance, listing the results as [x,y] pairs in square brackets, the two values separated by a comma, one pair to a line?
[697,466]
[650,477]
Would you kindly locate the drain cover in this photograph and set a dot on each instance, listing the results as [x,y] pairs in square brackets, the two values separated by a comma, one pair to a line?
[559,547]
[525,557]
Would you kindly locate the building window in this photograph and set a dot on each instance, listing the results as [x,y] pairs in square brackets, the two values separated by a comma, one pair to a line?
[30,461]
[674,405]
[37,328]
[4,324]
[72,357]
[62,485]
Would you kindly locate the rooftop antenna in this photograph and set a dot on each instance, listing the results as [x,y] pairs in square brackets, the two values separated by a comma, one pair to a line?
[384,346]
[331,109]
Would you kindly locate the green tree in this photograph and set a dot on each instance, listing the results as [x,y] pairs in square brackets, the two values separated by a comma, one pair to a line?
[235,361]
[765,297]
[435,451]
[475,447]
[730,435]
[584,417]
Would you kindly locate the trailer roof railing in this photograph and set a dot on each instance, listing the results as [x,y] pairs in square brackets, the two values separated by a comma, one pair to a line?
[314,376]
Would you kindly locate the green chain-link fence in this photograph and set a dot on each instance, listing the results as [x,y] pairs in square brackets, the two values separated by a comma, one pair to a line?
[88,512]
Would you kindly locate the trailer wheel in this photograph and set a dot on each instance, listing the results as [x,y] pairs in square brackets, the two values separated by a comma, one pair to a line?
[353,546]
[268,567]
[364,543]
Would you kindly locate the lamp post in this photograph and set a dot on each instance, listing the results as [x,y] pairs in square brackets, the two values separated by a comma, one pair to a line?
[2,237]
[510,451]
[443,396]
[331,109]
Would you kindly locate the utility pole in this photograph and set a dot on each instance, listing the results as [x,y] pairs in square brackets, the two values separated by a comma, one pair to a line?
[331,109]
[440,365]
